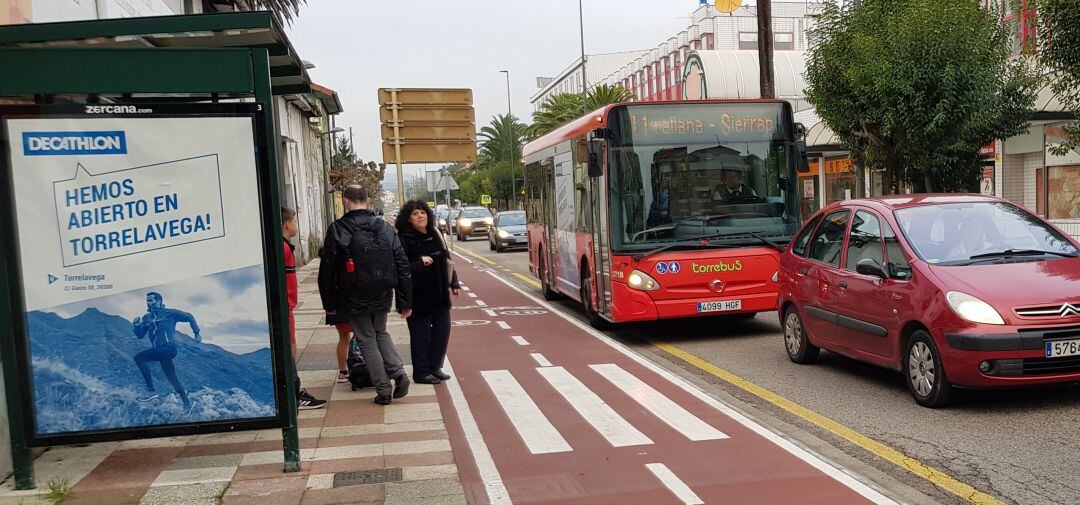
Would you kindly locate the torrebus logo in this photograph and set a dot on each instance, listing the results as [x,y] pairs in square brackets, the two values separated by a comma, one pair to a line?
[719,266]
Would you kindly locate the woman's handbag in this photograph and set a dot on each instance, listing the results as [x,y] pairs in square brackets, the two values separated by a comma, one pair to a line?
[449,262]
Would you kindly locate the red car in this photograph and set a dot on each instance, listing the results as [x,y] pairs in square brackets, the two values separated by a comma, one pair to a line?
[952,290]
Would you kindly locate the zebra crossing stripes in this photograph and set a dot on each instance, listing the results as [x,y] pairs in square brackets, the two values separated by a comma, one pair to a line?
[539,435]
[617,431]
[674,484]
[661,406]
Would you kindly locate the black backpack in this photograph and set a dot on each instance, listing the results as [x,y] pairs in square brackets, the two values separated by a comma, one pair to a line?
[374,272]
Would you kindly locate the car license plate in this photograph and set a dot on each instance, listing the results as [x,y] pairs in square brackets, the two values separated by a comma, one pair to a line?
[1062,348]
[724,306]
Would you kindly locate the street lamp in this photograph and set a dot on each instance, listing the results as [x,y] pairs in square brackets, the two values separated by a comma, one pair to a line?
[510,140]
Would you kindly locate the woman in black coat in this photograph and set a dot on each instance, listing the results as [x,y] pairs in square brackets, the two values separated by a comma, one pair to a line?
[432,283]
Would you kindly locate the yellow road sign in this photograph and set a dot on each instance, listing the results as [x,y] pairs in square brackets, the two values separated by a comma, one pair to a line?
[430,114]
[444,151]
[485,199]
[426,96]
[424,132]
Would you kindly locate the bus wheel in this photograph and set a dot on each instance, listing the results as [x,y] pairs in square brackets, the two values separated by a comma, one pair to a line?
[586,300]
[545,289]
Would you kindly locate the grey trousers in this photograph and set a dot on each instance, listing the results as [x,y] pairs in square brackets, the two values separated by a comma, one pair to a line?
[380,355]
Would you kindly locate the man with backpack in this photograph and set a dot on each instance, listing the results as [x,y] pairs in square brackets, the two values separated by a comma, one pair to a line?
[363,267]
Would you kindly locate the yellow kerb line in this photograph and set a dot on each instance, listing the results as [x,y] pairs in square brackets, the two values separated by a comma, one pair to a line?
[916,467]
[528,280]
[477,256]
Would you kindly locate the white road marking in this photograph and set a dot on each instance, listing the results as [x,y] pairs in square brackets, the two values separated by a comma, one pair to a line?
[503,325]
[489,474]
[674,484]
[472,295]
[661,406]
[481,303]
[520,340]
[531,424]
[618,431]
[490,312]
[811,458]
[539,358]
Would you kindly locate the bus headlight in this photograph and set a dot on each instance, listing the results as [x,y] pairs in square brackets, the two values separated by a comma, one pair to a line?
[973,309]
[503,234]
[641,281]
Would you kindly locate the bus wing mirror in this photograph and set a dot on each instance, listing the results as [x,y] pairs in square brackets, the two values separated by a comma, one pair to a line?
[594,148]
[804,160]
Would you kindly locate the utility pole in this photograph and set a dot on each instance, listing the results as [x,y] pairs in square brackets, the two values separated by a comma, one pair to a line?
[767,78]
[510,140]
[584,81]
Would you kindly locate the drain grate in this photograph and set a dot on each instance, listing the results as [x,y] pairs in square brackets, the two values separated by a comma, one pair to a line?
[342,479]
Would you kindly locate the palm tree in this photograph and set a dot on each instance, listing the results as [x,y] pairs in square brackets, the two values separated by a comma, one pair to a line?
[501,140]
[563,108]
[284,11]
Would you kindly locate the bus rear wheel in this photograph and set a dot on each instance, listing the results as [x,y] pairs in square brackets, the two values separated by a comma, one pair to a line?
[545,288]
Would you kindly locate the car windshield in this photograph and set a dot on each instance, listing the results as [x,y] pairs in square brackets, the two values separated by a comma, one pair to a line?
[680,172]
[963,233]
[512,219]
[476,213]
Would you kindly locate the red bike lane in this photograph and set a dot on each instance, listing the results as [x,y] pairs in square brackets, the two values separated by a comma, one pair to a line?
[543,410]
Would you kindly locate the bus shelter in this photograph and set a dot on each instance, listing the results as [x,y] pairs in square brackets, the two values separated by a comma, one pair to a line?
[140,240]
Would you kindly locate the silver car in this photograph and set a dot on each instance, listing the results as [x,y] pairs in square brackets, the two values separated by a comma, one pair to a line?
[508,231]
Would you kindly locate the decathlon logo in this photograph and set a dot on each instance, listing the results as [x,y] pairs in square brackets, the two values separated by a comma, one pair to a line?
[70,143]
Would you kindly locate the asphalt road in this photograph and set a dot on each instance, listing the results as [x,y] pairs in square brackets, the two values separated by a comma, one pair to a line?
[1019,446]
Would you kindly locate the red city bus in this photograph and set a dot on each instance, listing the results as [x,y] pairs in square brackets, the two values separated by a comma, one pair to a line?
[659,210]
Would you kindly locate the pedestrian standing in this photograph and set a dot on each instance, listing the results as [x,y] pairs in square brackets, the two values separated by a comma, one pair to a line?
[363,272]
[289,229]
[434,278]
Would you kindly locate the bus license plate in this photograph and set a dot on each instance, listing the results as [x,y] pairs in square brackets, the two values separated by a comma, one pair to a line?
[1062,348]
[724,306]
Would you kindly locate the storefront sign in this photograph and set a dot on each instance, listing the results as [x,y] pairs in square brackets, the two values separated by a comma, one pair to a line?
[834,166]
[808,188]
[143,270]
[988,151]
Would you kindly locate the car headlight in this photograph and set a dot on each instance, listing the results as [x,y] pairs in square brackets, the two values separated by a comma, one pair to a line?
[462,222]
[489,220]
[973,309]
[641,281]
[442,222]
[502,234]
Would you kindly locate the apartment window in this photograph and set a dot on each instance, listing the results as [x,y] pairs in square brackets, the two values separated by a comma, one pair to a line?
[748,40]
[1021,25]
[784,41]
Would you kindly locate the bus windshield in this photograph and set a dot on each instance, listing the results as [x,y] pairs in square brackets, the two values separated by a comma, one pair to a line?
[687,171]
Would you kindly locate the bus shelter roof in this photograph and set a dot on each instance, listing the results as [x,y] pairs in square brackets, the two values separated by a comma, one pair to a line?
[288,74]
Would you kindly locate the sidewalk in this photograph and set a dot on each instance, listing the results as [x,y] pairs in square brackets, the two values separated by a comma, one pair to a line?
[403,448]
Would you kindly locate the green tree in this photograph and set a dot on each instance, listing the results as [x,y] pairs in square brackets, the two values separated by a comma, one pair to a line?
[502,139]
[917,86]
[284,11]
[343,153]
[1059,53]
[562,108]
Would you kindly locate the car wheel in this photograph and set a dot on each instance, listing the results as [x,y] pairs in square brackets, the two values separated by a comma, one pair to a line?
[799,348]
[925,376]
[500,248]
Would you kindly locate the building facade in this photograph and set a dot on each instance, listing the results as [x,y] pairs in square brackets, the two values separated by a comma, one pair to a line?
[570,79]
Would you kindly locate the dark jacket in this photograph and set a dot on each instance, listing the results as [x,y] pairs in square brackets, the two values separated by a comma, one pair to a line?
[332,267]
[431,293]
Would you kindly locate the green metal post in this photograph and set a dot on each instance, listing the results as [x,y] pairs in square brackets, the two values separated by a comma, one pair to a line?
[290,435]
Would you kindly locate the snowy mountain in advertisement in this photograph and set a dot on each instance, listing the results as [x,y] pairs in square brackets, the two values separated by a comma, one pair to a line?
[85,377]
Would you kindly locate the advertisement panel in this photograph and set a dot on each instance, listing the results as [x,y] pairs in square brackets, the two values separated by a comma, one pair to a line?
[141,243]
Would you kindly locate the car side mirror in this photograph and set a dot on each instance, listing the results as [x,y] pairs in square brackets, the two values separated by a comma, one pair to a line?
[594,149]
[804,160]
[868,266]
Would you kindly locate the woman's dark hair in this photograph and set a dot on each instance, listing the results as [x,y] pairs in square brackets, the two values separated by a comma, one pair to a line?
[402,223]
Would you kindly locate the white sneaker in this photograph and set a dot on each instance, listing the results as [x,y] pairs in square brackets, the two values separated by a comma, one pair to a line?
[343,377]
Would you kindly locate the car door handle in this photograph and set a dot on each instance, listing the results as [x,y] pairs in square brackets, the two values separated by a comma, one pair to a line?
[843,284]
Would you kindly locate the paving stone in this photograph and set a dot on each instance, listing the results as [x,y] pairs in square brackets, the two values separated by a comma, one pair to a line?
[194,476]
[404,413]
[224,460]
[429,472]
[410,492]
[191,494]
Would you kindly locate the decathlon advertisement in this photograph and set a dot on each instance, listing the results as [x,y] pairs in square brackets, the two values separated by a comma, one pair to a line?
[143,270]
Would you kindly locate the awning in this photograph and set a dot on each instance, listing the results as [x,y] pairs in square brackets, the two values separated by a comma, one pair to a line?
[329,98]
[224,30]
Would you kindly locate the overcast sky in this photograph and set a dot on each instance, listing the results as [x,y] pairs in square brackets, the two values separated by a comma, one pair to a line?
[359,46]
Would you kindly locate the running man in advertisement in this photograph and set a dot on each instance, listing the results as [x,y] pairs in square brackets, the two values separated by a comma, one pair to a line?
[159,326]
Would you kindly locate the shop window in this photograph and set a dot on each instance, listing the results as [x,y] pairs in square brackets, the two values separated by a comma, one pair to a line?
[1063,192]
[784,41]
[748,40]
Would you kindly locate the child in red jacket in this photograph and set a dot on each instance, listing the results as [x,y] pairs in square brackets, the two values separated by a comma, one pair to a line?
[289,229]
